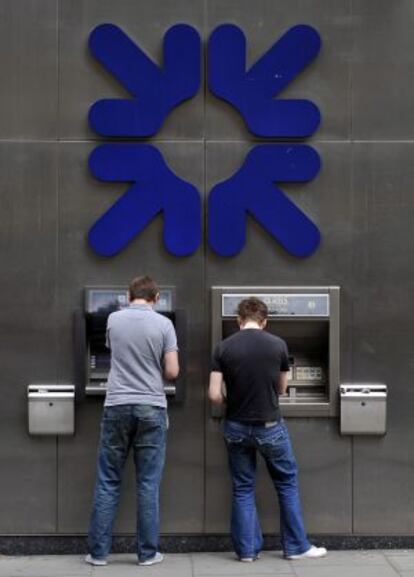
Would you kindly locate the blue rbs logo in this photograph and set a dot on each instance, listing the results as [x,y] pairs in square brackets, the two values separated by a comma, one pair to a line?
[254,93]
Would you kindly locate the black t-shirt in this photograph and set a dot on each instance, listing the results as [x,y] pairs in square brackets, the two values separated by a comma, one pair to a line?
[251,361]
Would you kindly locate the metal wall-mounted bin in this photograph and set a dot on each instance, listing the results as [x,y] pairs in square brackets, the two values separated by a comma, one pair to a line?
[51,409]
[363,409]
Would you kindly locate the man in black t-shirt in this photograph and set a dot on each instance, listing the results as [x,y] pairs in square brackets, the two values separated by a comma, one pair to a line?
[254,366]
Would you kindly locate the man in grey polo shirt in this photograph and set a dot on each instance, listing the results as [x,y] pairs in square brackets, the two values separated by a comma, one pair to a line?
[143,347]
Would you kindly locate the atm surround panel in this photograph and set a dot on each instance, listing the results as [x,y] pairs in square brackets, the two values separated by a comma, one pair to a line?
[99,302]
[307,318]
[110,299]
[308,356]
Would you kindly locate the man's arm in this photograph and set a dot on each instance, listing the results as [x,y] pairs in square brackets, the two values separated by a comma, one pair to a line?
[215,392]
[107,337]
[171,367]
[282,385]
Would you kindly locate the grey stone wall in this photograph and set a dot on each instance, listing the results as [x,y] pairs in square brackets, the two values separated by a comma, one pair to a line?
[363,82]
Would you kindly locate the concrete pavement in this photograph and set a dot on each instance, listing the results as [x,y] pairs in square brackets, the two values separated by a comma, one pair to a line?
[384,563]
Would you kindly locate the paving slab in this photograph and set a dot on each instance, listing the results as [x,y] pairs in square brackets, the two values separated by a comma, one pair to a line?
[174,565]
[347,559]
[394,563]
[402,562]
[222,564]
[398,552]
[317,570]
[44,566]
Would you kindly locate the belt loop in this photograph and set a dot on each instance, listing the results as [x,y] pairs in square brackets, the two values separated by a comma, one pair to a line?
[270,423]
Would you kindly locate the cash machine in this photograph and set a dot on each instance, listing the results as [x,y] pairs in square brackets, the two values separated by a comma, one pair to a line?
[93,357]
[307,318]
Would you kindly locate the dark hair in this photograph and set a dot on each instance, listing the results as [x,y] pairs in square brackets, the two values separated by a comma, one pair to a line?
[143,287]
[252,309]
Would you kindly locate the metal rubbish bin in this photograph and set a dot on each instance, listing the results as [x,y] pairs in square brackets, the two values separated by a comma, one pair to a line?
[363,409]
[51,409]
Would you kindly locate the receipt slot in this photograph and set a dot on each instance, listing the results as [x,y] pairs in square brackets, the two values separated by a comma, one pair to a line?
[51,409]
[93,359]
[307,318]
[363,409]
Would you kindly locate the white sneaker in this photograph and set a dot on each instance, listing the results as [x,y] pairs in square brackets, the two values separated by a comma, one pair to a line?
[158,558]
[312,553]
[97,562]
[249,559]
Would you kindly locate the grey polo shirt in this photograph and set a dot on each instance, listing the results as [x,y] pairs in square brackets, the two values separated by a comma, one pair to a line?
[138,338]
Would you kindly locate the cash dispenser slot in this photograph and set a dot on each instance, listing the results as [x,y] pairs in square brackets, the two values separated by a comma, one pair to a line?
[308,344]
[307,318]
[93,358]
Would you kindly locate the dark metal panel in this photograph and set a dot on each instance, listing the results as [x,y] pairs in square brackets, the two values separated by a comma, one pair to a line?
[382,70]
[326,81]
[82,200]
[324,458]
[28,352]
[366,250]
[218,487]
[83,80]
[28,70]
[325,474]
[383,319]
[325,478]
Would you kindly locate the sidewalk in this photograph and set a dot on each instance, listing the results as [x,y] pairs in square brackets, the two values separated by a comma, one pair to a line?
[390,563]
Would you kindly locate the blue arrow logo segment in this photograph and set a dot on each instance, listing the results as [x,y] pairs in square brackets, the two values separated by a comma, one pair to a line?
[251,190]
[155,91]
[253,92]
[155,188]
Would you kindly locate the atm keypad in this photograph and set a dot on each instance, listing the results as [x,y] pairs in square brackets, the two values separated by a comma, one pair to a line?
[308,373]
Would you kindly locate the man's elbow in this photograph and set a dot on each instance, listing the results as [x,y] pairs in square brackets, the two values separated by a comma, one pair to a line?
[215,397]
[282,390]
[283,383]
[171,373]
[171,366]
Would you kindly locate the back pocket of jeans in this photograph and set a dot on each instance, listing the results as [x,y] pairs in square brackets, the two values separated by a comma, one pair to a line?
[232,438]
[271,438]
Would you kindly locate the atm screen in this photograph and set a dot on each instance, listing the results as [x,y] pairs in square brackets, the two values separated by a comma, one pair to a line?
[106,300]
[113,299]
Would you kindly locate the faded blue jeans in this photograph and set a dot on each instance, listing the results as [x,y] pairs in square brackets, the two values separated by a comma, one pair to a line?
[142,428]
[243,442]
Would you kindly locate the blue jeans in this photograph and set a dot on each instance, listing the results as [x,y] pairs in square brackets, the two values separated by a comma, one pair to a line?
[243,442]
[142,428]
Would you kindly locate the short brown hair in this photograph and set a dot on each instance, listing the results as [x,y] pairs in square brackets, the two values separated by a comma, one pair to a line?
[252,309]
[143,287]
